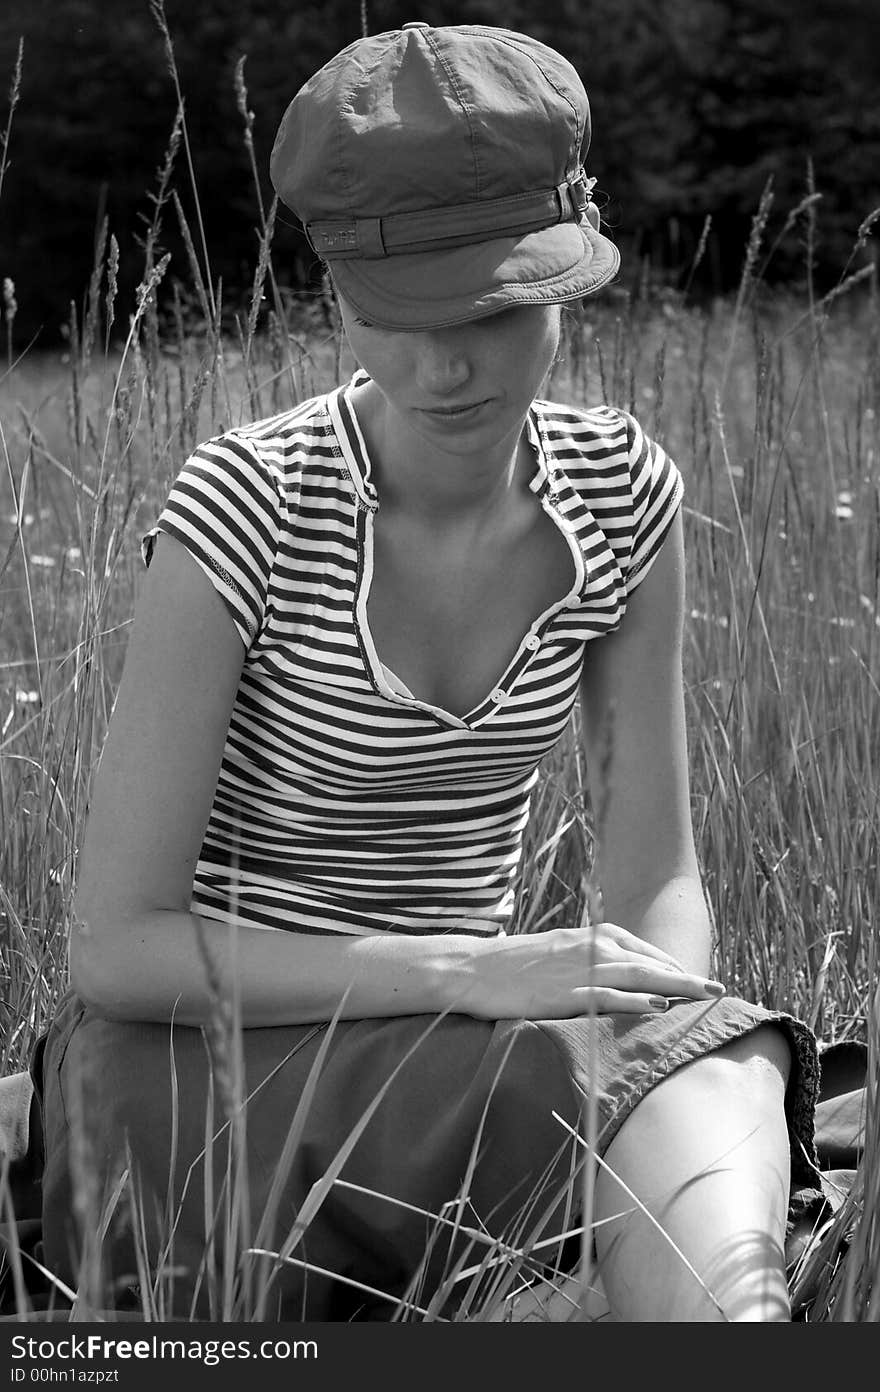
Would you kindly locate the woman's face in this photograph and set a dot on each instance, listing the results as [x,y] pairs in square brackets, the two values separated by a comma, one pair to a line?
[465,387]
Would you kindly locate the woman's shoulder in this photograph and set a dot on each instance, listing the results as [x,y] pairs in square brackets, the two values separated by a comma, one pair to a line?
[603,450]
[273,452]
[605,424]
[602,435]
[305,420]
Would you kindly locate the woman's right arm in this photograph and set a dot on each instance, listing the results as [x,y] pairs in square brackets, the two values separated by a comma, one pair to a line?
[135,952]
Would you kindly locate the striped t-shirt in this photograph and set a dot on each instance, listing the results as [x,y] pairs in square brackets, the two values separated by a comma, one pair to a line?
[344,803]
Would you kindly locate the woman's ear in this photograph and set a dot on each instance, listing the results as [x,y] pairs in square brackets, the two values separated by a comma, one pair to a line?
[563,317]
[329,302]
[340,311]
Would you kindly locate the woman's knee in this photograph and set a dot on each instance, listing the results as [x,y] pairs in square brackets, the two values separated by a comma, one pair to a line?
[749,1072]
[747,1077]
[764,1055]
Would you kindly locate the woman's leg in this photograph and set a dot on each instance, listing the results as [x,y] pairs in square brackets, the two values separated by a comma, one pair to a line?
[707,1153]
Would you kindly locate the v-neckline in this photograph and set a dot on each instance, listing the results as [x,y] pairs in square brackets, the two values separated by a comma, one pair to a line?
[548,485]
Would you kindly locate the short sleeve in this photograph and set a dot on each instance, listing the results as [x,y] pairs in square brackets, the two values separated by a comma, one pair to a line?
[225,508]
[657,490]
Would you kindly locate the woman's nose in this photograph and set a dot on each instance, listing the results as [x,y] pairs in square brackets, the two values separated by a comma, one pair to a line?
[442,361]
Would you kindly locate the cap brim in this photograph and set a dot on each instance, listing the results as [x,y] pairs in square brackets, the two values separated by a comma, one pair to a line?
[432,290]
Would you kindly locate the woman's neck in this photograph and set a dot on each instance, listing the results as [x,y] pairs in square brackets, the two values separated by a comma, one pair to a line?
[412,475]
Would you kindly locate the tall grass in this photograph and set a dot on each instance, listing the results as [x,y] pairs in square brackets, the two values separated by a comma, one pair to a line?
[771,406]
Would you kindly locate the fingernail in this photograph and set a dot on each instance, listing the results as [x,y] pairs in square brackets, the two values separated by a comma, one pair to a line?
[658,1002]
[714,988]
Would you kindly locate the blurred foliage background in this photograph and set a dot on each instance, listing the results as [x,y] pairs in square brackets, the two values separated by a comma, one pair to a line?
[696,104]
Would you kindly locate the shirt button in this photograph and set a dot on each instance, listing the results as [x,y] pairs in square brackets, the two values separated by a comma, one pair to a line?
[498,696]
[533,642]
[415,24]
[573,602]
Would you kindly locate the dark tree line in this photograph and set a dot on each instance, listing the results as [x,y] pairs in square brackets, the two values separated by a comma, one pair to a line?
[696,104]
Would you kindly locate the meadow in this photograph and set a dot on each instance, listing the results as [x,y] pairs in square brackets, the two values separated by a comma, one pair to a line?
[769,401]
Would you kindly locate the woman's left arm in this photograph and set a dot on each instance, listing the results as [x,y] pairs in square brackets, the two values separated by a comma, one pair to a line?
[632,701]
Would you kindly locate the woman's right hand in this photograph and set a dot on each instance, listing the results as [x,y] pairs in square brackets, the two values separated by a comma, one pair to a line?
[565,972]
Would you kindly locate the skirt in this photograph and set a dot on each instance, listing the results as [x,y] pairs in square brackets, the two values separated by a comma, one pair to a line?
[353,1170]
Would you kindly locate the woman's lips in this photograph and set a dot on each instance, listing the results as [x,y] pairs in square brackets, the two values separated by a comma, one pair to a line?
[451,413]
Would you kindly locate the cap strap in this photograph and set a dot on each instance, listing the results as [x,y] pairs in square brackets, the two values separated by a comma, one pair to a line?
[369,238]
[433,229]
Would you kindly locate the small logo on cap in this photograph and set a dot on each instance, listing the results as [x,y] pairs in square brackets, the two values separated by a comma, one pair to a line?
[345,239]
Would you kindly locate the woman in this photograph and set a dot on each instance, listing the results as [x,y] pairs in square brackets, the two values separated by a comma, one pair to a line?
[365,622]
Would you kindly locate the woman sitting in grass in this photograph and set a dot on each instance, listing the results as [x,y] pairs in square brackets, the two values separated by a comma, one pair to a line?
[365,622]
